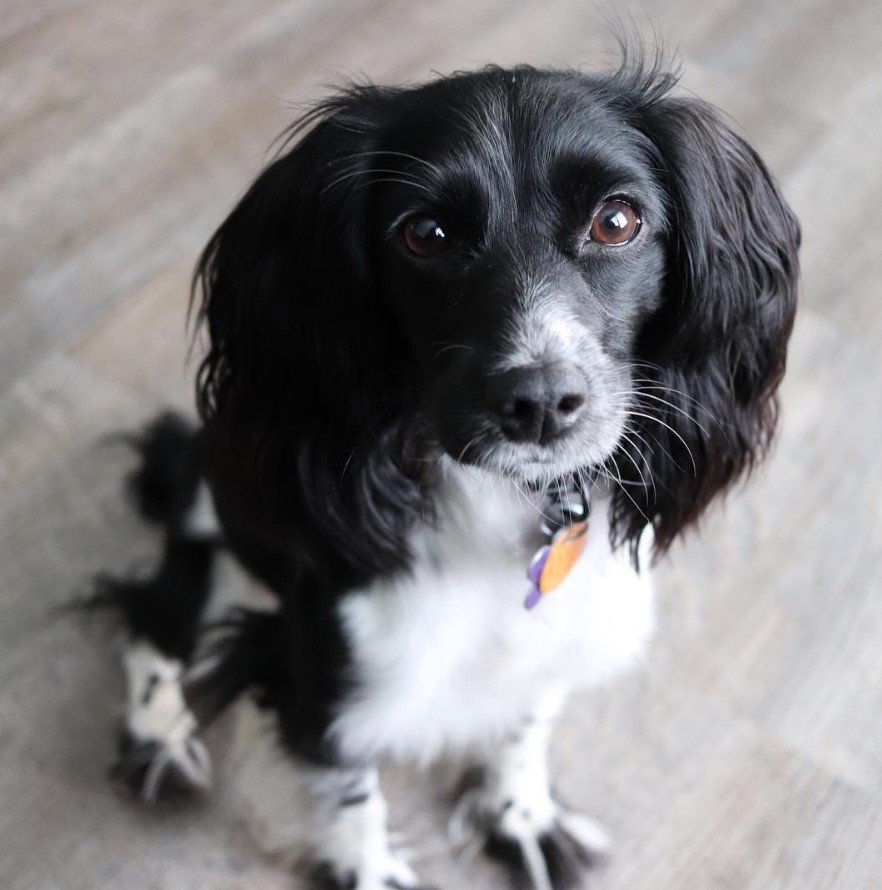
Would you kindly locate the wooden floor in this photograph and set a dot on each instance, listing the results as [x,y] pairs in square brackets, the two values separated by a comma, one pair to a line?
[747,755]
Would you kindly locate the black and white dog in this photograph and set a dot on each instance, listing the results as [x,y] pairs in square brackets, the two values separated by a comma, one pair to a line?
[444,322]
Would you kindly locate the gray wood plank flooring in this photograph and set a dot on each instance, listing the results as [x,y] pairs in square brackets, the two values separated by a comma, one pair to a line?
[747,753]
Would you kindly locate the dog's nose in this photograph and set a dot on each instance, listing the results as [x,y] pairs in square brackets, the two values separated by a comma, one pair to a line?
[538,403]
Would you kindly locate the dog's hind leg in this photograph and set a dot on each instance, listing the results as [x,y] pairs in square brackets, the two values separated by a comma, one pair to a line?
[159,750]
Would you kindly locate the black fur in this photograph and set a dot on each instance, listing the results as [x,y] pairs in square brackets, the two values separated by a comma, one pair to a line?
[717,347]
[566,860]
[163,484]
[323,878]
[294,659]
[165,607]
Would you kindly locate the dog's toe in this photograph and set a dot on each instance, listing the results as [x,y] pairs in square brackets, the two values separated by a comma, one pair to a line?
[554,857]
[156,770]
[544,847]
[392,874]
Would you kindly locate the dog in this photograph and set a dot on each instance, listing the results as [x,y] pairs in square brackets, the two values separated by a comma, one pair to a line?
[488,342]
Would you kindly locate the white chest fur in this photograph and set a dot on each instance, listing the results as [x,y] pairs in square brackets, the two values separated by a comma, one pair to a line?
[447,657]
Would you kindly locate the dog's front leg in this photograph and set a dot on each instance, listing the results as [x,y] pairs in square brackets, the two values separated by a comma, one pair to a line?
[350,842]
[509,802]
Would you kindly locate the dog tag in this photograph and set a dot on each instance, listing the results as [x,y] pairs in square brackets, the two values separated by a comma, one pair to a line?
[553,562]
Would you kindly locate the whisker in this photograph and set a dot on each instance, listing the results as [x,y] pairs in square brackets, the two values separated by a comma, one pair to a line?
[452,346]
[637,467]
[618,480]
[658,442]
[686,414]
[404,177]
[374,180]
[643,384]
[667,426]
[433,168]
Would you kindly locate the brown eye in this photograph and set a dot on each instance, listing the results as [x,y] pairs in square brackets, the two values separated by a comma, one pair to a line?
[424,237]
[615,223]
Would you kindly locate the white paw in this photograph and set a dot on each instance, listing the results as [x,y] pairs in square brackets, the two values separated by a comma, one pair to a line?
[378,872]
[159,750]
[588,832]
[154,770]
[354,846]
[546,846]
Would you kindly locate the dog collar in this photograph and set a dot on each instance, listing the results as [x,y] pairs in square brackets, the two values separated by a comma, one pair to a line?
[565,529]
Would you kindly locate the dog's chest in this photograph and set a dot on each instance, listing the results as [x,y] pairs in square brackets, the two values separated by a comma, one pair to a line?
[448,657]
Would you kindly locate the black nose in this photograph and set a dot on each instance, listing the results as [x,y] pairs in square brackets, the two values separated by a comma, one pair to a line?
[538,403]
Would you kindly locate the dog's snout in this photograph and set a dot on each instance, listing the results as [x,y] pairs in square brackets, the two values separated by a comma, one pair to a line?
[538,403]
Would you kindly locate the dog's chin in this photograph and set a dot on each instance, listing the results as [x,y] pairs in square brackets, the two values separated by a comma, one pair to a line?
[532,465]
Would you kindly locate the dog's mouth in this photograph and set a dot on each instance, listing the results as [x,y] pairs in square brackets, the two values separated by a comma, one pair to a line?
[535,466]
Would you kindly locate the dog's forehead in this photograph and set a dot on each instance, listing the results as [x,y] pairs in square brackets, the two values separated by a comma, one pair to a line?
[507,114]
[497,129]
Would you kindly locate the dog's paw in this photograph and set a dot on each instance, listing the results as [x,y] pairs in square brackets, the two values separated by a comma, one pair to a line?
[547,857]
[154,770]
[386,872]
[543,845]
[159,753]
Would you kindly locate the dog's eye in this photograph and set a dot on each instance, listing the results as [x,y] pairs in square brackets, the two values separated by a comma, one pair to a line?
[615,223]
[424,236]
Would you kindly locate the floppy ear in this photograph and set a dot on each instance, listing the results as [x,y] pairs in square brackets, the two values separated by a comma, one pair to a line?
[716,350]
[291,255]
[295,388]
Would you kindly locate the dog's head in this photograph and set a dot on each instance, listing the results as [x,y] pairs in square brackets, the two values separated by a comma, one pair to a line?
[539,272]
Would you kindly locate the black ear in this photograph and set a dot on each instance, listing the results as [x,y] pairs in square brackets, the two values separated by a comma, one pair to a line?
[288,267]
[714,355]
[295,386]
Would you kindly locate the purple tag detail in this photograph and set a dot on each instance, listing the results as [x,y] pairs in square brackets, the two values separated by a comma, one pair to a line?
[537,564]
[533,598]
[534,573]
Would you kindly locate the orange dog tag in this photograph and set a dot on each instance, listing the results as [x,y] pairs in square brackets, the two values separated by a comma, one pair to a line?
[553,562]
[562,556]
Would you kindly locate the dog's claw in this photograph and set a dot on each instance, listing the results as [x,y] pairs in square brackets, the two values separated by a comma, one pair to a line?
[552,859]
[540,855]
[327,877]
[155,770]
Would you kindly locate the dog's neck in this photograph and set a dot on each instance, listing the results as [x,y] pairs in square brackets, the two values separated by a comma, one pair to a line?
[480,512]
